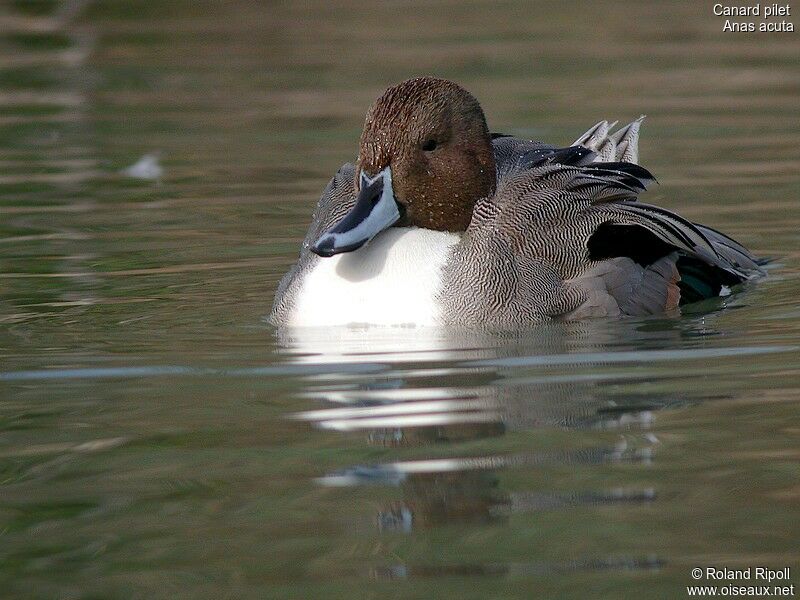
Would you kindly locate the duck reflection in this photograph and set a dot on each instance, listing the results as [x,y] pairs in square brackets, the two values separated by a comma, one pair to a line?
[451,391]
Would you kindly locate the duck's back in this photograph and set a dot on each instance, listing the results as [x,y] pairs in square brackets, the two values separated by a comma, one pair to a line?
[564,236]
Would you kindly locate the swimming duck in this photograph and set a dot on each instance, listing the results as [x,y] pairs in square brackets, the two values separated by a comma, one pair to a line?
[441,222]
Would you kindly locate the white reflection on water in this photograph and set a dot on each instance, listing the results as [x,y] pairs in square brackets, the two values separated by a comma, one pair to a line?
[444,388]
[555,375]
[391,344]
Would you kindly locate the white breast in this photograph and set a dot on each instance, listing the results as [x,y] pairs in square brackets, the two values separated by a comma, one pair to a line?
[393,280]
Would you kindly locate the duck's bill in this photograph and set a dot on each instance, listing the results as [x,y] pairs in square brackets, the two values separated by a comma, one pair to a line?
[375,210]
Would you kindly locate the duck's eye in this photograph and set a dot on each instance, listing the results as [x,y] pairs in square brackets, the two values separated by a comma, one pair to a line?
[429,145]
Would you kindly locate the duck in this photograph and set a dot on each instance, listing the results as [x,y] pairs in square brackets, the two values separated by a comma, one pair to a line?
[441,222]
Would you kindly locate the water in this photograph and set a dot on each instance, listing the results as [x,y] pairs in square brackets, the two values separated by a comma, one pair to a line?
[158,439]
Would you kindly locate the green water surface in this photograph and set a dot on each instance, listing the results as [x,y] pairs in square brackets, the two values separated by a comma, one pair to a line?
[159,440]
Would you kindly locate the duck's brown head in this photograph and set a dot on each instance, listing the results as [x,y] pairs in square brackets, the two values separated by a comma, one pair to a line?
[425,159]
